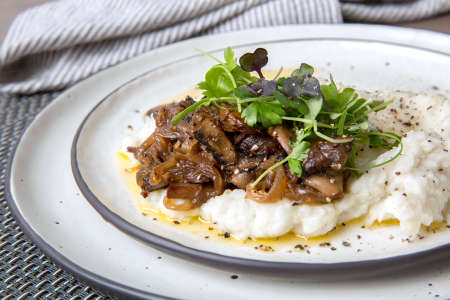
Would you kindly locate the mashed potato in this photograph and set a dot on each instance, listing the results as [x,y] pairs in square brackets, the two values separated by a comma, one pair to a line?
[413,189]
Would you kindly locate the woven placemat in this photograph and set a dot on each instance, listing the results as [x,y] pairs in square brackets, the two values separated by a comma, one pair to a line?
[25,272]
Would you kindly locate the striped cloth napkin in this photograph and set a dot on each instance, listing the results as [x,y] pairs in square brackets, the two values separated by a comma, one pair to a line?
[59,43]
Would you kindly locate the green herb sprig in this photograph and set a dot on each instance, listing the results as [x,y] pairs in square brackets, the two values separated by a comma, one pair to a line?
[316,111]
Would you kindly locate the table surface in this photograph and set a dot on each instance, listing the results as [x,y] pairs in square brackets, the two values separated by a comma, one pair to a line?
[10,8]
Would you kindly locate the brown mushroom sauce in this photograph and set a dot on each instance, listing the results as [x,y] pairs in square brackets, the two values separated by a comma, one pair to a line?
[213,149]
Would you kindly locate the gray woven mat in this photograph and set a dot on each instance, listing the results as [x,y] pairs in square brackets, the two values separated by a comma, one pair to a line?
[24,271]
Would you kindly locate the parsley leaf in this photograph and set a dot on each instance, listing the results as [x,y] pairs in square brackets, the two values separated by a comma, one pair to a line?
[295,166]
[295,162]
[314,107]
[230,60]
[337,101]
[266,113]
[299,153]
[218,82]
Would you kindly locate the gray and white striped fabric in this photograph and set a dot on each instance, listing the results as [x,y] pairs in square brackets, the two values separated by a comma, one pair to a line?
[59,43]
[402,11]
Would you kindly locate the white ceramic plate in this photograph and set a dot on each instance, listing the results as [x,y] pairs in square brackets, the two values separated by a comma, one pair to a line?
[99,138]
[67,228]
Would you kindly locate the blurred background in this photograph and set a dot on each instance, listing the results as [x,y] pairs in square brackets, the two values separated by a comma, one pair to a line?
[50,45]
[10,8]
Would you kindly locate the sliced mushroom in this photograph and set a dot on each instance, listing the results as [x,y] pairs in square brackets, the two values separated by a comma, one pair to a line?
[215,140]
[301,193]
[329,186]
[282,135]
[143,180]
[242,178]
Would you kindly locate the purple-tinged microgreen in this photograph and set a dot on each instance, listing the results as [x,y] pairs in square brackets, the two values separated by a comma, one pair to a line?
[254,61]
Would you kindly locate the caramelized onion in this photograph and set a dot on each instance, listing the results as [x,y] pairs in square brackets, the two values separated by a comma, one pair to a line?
[192,181]
[276,191]
[183,196]
[178,204]
[162,170]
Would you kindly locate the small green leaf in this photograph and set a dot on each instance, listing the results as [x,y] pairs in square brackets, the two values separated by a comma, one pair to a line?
[357,105]
[295,103]
[364,125]
[358,127]
[397,142]
[217,82]
[266,113]
[250,114]
[296,167]
[314,107]
[334,115]
[347,95]
[177,118]
[331,95]
[241,77]
[300,151]
[379,105]
[341,123]
[303,71]
[242,92]
[378,142]
[230,60]
[300,135]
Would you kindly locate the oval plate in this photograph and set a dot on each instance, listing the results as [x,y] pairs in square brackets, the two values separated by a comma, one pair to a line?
[54,215]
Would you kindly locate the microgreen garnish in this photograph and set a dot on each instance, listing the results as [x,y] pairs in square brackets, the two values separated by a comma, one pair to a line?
[254,61]
[317,112]
[376,140]
[266,113]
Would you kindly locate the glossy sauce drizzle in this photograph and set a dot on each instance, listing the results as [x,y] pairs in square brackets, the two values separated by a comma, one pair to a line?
[292,241]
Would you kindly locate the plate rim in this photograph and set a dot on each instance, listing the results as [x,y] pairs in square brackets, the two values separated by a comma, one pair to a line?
[180,250]
[106,284]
